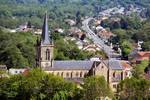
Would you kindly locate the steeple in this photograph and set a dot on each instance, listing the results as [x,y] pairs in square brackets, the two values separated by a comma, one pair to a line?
[45,32]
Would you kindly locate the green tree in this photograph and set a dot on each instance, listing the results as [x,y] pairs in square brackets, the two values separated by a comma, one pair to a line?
[36,85]
[95,87]
[134,89]
[17,49]
[139,69]
[126,47]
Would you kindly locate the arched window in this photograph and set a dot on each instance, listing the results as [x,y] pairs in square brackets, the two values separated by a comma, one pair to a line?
[67,74]
[114,74]
[81,74]
[71,74]
[58,74]
[77,74]
[126,73]
[62,74]
[47,54]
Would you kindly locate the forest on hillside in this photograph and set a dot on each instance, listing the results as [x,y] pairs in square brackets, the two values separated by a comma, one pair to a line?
[15,12]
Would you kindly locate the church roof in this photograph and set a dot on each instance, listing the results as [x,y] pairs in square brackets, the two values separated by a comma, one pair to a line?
[71,65]
[45,32]
[114,64]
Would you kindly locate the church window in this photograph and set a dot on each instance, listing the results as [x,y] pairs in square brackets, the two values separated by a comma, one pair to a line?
[77,74]
[126,73]
[80,74]
[114,74]
[62,74]
[121,75]
[67,74]
[71,74]
[58,74]
[47,54]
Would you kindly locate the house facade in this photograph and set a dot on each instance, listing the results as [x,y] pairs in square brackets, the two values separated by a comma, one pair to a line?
[75,70]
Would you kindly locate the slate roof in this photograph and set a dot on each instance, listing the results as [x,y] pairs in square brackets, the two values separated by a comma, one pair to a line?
[45,32]
[71,65]
[114,64]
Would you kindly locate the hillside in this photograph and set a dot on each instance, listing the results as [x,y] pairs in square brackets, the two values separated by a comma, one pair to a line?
[16,12]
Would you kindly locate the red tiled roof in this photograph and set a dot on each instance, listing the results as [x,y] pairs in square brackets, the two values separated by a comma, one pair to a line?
[143,53]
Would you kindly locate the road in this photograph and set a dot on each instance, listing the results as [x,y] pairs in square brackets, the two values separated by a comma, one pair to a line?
[107,49]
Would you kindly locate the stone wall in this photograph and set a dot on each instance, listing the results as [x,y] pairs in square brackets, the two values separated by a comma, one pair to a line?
[70,73]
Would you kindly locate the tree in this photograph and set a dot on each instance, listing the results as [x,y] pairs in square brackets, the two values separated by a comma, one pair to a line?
[36,85]
[134,89]
[17,49]
[65,50]
[116,25]
[126,47]
[95,87]
[139,69]
[121,33]
[78,18]
[83,36]
[124,23]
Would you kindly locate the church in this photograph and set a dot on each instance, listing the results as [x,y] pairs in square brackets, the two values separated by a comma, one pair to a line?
[77,70]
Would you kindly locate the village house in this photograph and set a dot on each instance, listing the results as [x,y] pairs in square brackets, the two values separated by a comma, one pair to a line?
[137,56]
[75,32]
[3,67]
[14,71]
[91,48]
[37,32]
[105,34]
[70,22]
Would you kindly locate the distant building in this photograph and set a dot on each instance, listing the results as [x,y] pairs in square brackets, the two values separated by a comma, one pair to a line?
[75,32]
[3,67]
[139,56]
[75,70]
[3,70]
[14,71]
[105,34]
[91,48]
[59,30]
[37,31]
[70,22]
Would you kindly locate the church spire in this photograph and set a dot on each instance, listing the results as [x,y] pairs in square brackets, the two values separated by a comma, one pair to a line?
[45,33]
